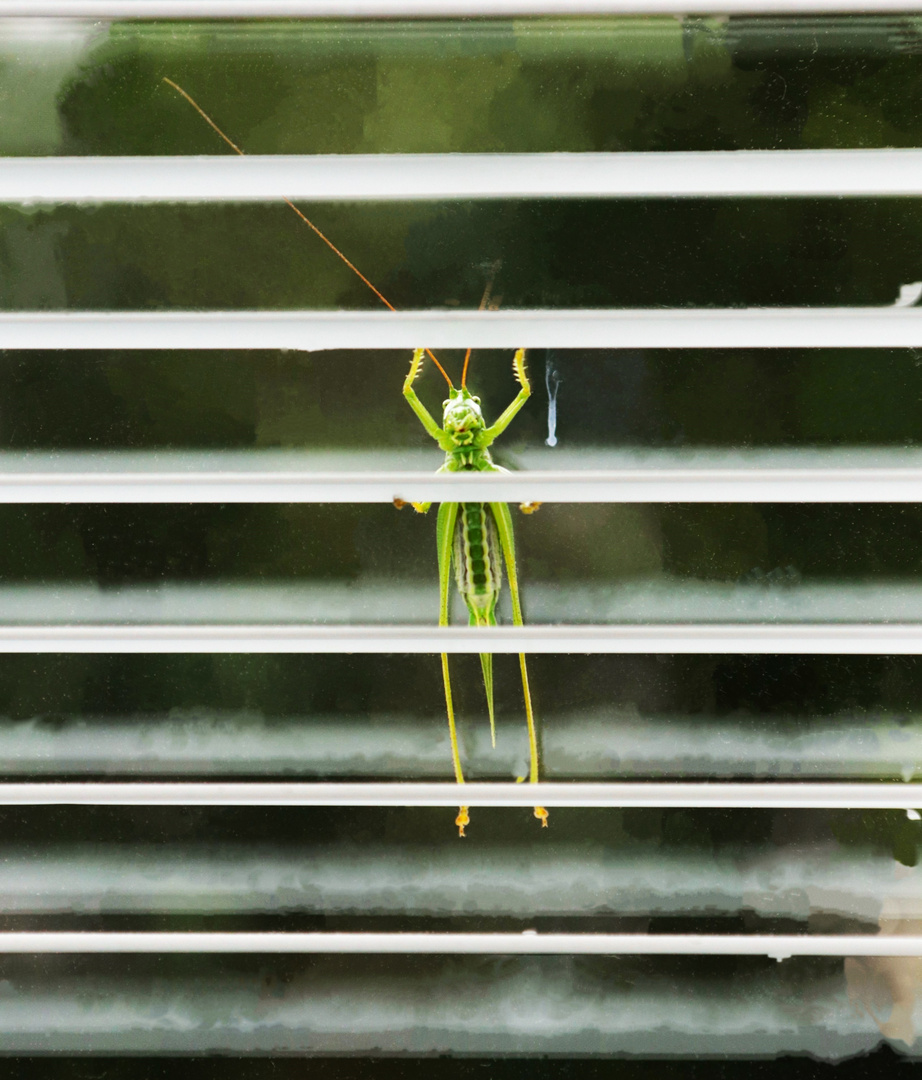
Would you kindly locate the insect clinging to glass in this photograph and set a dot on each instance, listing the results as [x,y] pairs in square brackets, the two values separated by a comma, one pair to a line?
[475,538]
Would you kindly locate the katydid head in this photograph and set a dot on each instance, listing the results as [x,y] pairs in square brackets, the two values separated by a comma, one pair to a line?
[462,419]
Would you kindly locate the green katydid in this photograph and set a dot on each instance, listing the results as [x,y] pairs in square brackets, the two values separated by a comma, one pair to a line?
[476,537]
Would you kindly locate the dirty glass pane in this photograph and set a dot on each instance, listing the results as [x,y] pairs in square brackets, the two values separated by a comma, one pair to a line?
[72,87]
[360,1005]
[306,563]
[380,717]
[616,83]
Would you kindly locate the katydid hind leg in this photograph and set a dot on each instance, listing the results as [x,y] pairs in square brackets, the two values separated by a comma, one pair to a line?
[463,817]
[445,532]
[486,665]
[503,519]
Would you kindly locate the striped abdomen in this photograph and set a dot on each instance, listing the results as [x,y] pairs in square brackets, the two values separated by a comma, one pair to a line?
[478,561]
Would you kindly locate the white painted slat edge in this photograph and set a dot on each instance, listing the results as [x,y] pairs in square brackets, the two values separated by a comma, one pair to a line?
[714,795]
[348,9]
[852,639]
[652,485]
[667,328]
[776,946]
[577,475]
[385,177]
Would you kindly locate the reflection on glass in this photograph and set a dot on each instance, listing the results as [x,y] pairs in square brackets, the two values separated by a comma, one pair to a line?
[886,988]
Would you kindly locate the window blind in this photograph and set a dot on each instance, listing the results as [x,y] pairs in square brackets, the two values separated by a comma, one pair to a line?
[401,896]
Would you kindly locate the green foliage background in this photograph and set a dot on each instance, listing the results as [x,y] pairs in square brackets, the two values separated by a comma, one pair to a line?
[524,85]
[520,85]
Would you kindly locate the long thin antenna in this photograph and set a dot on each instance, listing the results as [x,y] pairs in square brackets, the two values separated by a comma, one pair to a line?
[484,300]
[329,243]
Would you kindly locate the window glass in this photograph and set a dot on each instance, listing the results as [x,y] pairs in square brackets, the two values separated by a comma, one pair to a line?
[83,88]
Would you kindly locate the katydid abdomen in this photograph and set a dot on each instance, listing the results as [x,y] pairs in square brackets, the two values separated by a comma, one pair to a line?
[478,561]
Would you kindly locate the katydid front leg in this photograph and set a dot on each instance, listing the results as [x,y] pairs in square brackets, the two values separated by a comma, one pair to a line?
[493,432]
[424,416]
[509,413]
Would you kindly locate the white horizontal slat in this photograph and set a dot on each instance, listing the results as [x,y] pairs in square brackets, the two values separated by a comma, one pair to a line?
[701,328]
[590,476]
[529,943]
[384,177]
[721,796]
[857,639]
[213,9]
